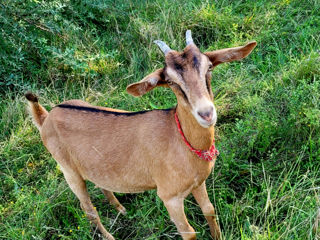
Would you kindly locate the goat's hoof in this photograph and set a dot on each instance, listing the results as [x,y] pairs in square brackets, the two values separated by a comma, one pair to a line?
[121,209]
[190,235]
[216,235]
[107,236]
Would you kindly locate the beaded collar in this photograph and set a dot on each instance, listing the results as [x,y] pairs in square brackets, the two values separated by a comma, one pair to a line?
[207,155]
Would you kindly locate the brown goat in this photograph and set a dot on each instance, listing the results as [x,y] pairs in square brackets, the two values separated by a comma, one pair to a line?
[132,152]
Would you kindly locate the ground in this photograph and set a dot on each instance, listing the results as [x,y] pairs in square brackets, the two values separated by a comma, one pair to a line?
[266,183]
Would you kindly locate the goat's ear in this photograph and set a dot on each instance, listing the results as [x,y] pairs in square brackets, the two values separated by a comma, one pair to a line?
[151,81]
[230,54]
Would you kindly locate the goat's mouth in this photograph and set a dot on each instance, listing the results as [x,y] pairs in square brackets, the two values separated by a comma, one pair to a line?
[206,124]
[206,120]
[205,113]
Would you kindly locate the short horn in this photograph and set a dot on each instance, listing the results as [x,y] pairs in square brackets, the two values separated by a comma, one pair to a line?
[164,47]
[189,39]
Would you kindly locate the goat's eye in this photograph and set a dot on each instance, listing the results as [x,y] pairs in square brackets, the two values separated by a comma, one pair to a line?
[169,82]
[210,67]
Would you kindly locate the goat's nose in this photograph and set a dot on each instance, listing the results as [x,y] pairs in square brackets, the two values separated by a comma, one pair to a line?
[206,115]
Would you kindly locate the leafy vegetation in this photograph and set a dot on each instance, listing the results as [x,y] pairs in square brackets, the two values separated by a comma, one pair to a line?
[266,182]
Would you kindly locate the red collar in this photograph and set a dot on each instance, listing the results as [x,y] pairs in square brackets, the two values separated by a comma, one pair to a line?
[207,155]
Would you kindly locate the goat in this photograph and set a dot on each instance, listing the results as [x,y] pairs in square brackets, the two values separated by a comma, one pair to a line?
[131,152]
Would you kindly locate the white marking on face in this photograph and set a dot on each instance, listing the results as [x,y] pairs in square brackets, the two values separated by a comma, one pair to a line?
[203,64]
[153,81]
[205,106]
[174,75]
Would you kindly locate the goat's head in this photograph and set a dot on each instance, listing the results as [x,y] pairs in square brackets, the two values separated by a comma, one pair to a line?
[188,74]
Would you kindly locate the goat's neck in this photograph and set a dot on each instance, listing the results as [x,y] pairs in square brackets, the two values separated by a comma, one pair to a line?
[197,136]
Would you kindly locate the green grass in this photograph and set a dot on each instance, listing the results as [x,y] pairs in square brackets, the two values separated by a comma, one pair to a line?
[266,183]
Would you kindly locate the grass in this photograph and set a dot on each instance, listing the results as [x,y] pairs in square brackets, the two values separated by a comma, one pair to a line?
[266,182]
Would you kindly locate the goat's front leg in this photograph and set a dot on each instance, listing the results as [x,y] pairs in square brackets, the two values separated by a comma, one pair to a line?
[201,196]
[176,211]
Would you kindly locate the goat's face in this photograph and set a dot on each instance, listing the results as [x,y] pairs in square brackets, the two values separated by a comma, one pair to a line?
[188,74]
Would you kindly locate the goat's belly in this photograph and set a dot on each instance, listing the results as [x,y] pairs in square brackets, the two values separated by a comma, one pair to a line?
[126,189]
[122,184]
[116,177]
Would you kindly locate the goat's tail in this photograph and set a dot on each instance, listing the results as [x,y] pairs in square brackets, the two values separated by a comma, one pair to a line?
[38,112]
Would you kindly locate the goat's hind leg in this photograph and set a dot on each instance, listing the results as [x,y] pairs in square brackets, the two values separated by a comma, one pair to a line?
[78,186]
[114,201]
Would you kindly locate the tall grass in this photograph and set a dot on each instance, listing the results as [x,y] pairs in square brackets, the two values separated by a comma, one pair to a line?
[265,184]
